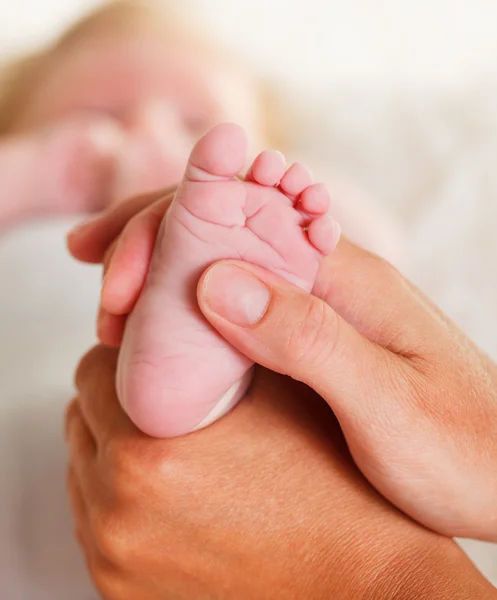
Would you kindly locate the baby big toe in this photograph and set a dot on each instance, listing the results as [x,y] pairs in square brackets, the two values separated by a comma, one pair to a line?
[220,154]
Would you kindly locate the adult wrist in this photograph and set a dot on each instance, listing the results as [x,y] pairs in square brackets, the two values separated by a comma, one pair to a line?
[434,570]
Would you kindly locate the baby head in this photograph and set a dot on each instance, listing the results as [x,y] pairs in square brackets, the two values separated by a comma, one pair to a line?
[142,66]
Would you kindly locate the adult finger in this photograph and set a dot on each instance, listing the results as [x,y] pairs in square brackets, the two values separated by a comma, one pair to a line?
[82,450]
[294,333]
[110,328]
[90,241]
[371,294]
[79,511]
[73,430]
[127,267]
[98,402]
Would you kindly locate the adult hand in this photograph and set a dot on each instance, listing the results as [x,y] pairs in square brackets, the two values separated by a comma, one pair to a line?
[416,400]
[266,503]
[132,227]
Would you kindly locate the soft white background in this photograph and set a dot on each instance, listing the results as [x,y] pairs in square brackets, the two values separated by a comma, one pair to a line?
[400,95]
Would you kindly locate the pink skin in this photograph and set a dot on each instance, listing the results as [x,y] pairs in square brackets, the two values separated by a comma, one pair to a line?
[64,168]
[173,367]
[162,93]
[157,95]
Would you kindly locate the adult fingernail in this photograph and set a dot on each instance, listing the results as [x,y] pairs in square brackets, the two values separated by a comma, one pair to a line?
[236,295]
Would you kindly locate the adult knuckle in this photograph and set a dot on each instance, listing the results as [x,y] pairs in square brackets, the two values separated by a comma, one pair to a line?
[85,365]
[97,356]
[113,537]
[313,339]
[107,580]
[122,467]
[71,410]
[133,465]
[117,454]
[72,413]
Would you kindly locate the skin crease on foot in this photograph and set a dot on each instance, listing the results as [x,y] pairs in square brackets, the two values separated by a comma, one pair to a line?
[276,218]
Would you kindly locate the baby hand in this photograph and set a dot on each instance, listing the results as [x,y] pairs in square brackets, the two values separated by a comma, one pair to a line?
[76,164]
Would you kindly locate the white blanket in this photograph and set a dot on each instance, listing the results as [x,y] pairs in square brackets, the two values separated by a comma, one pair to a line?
[47,307]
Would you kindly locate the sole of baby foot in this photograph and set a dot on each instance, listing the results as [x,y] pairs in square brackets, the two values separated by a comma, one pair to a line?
[173,367]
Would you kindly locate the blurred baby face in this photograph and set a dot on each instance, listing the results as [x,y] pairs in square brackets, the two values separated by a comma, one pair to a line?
[164,94]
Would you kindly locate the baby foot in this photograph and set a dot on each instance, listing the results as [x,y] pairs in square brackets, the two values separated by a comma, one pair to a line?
[174,368]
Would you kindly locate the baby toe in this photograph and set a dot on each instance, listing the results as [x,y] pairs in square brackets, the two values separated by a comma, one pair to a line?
[324,234]
[296,180]
[220,154]
[315,200]
[267,169]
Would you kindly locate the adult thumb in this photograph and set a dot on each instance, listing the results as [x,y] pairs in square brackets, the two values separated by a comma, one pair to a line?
[289,331]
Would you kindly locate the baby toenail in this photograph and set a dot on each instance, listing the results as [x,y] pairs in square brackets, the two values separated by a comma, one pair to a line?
[236,295]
